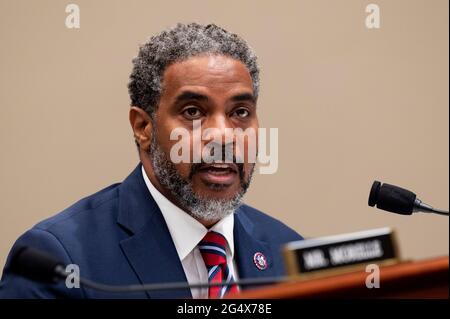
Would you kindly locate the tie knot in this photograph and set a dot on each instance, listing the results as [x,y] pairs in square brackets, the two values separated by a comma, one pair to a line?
[212,248]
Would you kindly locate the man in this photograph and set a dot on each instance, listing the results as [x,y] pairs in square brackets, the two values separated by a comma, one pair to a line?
[171,222]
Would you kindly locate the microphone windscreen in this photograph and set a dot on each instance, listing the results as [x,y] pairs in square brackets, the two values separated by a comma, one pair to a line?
[392,198]
[34,264]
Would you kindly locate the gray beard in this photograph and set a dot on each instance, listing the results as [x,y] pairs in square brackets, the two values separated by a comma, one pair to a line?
[207,209]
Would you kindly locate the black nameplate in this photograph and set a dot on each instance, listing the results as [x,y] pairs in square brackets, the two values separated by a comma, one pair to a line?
[339,251]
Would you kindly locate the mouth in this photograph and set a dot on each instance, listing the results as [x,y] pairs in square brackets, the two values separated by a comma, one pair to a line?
[218,173]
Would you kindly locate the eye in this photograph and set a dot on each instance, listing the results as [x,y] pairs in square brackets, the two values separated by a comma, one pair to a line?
[192,112]
[242,113]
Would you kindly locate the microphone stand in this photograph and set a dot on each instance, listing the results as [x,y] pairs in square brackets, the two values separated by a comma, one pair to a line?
[62,274]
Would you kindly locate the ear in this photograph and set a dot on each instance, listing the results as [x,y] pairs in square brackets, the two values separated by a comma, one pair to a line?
[142,124]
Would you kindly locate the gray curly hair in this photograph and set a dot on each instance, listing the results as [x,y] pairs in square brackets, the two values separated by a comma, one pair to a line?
[179,43]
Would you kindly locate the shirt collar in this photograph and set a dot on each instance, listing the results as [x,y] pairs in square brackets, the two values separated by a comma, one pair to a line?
[185,230]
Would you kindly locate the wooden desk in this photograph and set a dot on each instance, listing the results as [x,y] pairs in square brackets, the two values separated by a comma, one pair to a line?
[418,279]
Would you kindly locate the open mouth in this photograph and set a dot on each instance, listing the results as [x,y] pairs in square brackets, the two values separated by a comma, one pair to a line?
[218,173]
[219,168]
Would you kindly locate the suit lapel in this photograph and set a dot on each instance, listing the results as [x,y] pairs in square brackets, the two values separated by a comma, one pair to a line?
[150,249]
[247,246]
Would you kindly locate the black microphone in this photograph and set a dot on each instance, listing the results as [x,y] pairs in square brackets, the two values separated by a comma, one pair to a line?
[41,267]
[37,265]
[398,200]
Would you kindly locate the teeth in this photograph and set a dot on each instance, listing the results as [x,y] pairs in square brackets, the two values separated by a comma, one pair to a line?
[220,165]
[218,172]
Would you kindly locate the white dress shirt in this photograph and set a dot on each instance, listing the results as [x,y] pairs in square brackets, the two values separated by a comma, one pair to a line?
[187,233]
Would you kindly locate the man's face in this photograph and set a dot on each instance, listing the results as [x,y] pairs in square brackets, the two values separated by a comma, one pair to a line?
[218,91]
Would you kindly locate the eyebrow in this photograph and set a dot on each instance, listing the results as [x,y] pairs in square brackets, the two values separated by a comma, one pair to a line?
[190,95]
[244,97]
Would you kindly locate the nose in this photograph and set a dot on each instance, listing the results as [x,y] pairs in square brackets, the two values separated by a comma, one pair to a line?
[219,129]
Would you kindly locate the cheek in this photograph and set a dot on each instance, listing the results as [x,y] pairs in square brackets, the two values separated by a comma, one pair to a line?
[183,169]
[248,167]
[247,149]
[163,131]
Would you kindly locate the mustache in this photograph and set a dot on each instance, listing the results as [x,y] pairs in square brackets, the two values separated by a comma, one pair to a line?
[225,152]
[225,156]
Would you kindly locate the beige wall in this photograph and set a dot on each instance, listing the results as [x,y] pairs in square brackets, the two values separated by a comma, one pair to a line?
[351,104]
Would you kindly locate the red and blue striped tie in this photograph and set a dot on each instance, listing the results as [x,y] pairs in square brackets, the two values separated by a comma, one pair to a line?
[212,248]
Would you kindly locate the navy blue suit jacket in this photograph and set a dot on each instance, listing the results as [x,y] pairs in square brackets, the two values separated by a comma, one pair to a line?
[118,236]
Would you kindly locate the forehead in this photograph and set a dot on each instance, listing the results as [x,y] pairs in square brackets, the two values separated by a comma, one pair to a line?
[214,73]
